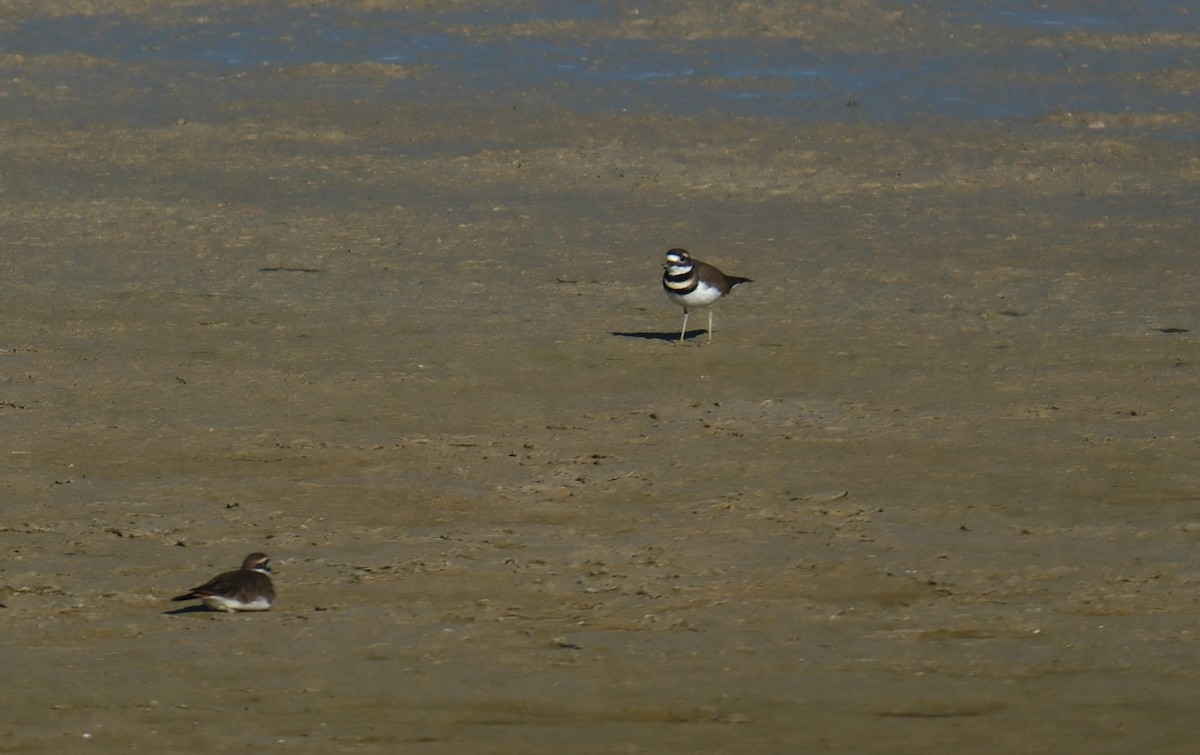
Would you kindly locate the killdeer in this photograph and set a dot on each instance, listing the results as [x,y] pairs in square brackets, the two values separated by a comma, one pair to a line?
[245,589]
[692,284]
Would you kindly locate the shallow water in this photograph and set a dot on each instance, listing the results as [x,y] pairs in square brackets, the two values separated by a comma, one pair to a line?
[1008,61]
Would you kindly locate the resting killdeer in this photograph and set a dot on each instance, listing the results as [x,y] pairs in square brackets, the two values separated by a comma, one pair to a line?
[693,284]
[245,589]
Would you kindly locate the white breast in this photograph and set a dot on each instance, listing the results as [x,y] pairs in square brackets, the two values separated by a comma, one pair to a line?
[702,296]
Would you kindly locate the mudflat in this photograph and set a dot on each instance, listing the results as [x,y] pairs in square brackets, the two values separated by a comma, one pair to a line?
[931,487]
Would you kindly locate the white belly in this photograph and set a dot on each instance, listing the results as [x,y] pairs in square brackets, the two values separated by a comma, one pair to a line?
[702,296]
[230,604]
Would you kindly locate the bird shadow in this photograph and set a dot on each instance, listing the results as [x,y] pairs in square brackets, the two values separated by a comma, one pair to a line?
[658,336]
[201,608]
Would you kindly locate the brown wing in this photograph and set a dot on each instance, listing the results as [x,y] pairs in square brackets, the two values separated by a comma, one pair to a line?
[222,584]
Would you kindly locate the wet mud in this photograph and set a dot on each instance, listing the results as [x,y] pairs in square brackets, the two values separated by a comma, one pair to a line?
[395,319]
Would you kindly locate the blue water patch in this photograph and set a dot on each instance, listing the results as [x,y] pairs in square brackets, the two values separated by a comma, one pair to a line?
[1112,16]
[499,53]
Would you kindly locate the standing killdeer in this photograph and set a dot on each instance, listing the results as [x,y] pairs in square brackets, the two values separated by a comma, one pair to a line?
[693,284]
[245,589]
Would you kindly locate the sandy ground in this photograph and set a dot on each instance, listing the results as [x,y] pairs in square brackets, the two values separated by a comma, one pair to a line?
[931,488]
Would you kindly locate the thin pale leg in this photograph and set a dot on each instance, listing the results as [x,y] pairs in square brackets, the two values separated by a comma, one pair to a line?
[710,324]
[683,330]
